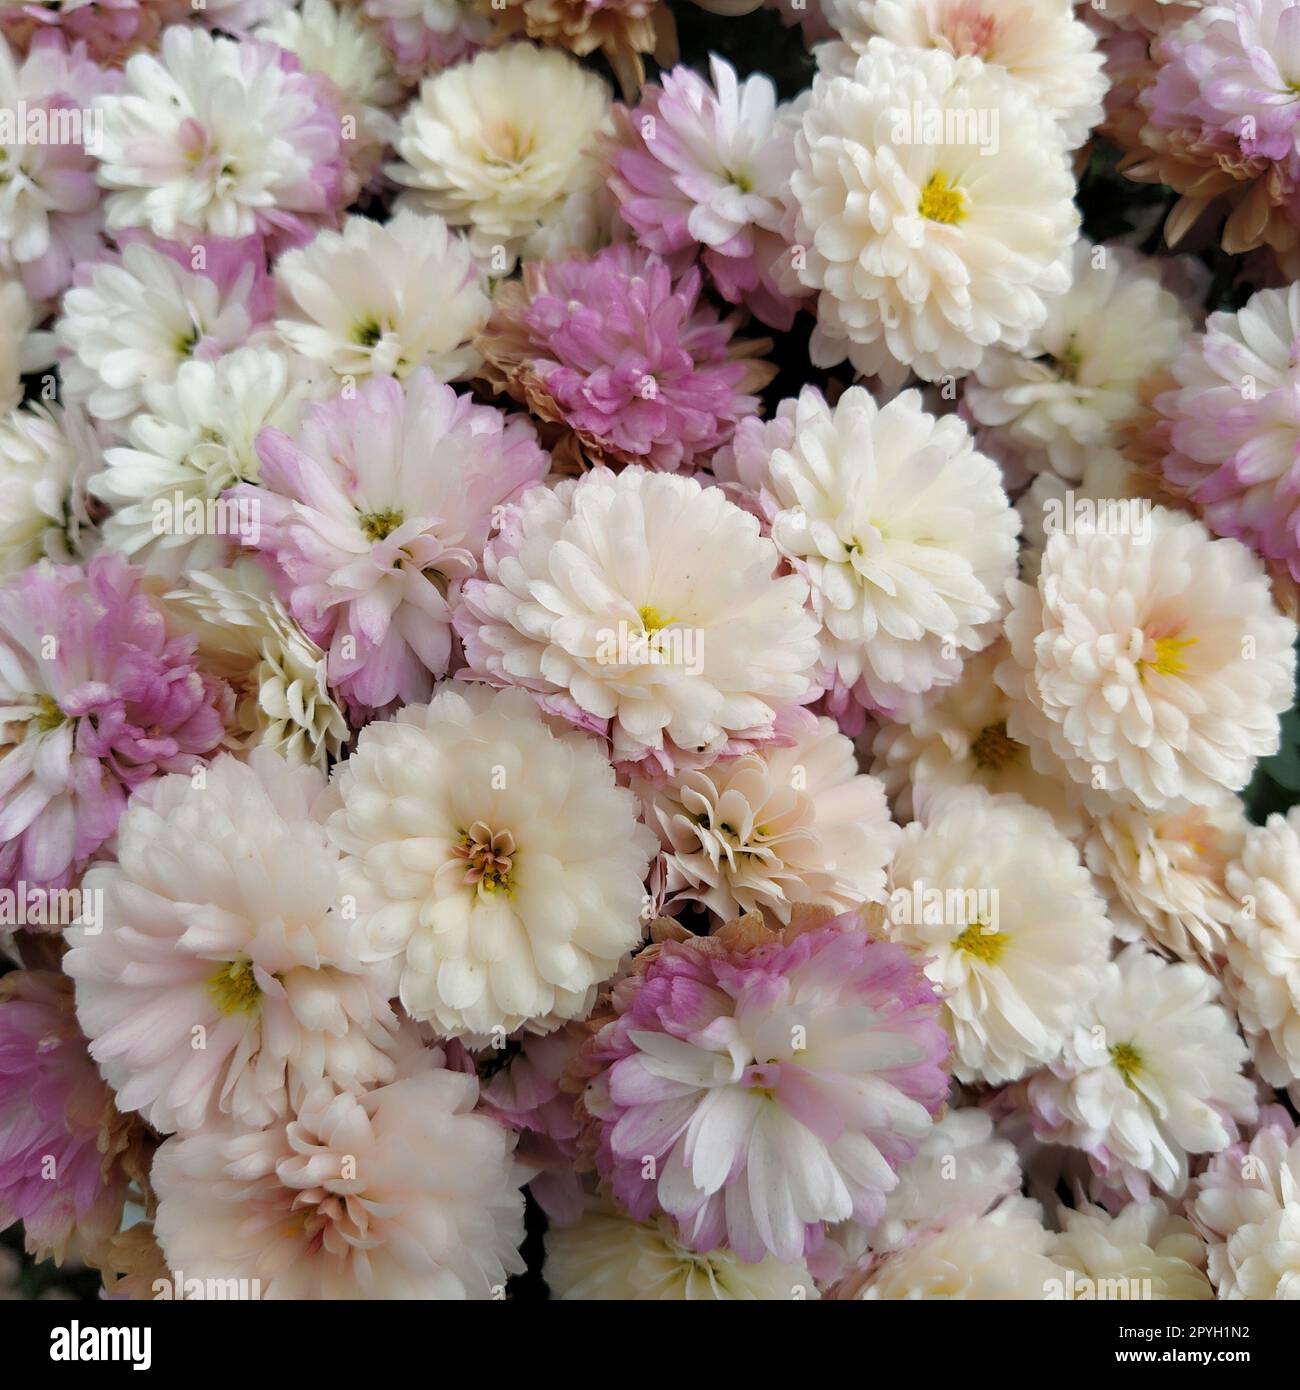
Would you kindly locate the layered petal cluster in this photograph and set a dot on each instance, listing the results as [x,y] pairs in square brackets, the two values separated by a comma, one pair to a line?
[1013,931]
[1233,424]
[934,208]
[1152,1076]
[99,692]
[606,1255]
[136,318]
[1150,667]
[756,1088]
[624,363]
[700,165]
[1263,946]
[780,826]
[1247,1203]
[67,1155]
[1004,1254]
[379,502]
[1079,381]
[383,299]
[400,1193]
[1145,1251]
[1222,125]
[47,454]
[278,675]
[225,984]
[214,137]
[195,438]
[959,738]
[902,530]
[644,606]
[50,213]
[492,862]
[1042,44]
[498,145]
[1166,874]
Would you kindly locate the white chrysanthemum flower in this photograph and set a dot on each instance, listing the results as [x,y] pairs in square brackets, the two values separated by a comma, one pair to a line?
[332,39]
[46,453]
[493,862]
[1152,1075]
[935,210]
[782,825]
[193,440]
[1072,388]
[1014,931]
[498,144]
[1146,1251]
[224,982]
[1263,946]
[383,299]
[277,672]
[22,348]
[1110,492]
[1247,1202]
[904,533]
[646,604]
[1165,873]
[218,137]
[1039,43]
[960,737]
[960,1170]
[609,1255]
[1003,1255]
[400,1193]
[1151,667]
[137,319]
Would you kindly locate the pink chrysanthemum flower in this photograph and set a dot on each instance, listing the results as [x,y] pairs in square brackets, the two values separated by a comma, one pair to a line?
[709,166]
[217,138]
[628,363]
[1236,452]
[380,503]
[98,694]
[49,200]
[110,29]
[66,1155]
[1223,124]
[757,1087]
[424,36]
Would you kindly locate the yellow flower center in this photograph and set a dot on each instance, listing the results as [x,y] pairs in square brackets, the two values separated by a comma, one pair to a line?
[376,525]
[981,943]
[1128,1061]
[650,619]
[942,201]
[1168,657]
[234,988]
[50,716]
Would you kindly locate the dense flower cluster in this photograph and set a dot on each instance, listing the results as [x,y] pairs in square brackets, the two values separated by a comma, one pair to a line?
[632,673]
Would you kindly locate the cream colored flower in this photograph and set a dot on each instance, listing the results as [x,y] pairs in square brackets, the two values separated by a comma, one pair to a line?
[782,825]
[1149,667]
[1165,874]
[935,211]
[607,1255]
[497,145]
[494,864]
[276,671]
[1012,928]
[959,737]
[1146,1251]
[1263,972]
